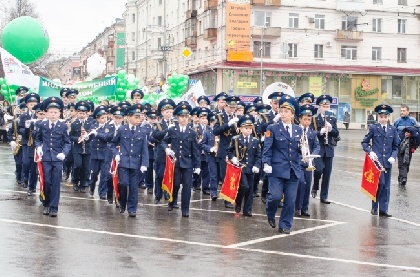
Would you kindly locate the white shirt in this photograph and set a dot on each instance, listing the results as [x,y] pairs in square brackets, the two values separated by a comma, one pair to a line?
[50,123]
[290,128]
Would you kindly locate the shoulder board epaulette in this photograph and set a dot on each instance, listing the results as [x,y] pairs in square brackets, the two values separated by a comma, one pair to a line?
[235,137]
[255,138]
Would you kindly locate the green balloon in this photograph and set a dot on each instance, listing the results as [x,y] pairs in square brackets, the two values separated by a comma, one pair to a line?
[120,97]
[122,73]
[26,39]
[2,81]
[119,90]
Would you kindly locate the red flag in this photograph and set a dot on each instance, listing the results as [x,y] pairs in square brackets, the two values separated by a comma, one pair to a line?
[231,183]
[168,176]
[41,176]
[370,178]
[114,172]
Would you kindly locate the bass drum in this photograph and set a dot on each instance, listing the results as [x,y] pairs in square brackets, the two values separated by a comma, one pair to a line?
[277,87]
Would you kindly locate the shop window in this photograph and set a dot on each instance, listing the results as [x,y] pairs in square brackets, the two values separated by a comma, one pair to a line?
[397,82]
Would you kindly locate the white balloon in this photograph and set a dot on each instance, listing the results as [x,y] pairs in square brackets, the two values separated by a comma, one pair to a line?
[165,87]
[96,64]
[131,78]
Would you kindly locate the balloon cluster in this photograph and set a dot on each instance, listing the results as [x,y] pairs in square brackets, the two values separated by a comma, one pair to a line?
[178,84]
[125,84]
[8,91]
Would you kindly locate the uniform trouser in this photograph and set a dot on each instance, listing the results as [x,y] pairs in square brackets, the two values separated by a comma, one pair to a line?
[182,176]
[212,168]
[19,165]
[99,167]
[129,188]
[245,192]
[81,169]
[29,167]
[403,168]
[68,163]
[257,177]
[159,171]
[204,176]
[110,187]
[304,191]
[264,187]
[277,187]
[52,178]
[149,174]
[382,195]
[196,181]
[222,168]
[326,175]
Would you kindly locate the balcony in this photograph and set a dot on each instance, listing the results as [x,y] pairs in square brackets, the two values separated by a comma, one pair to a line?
[210,5]
[351,6]
[269,32]
[344,35]
[191,42]
[266,2]
[157,55]
[191,14]
[210,34]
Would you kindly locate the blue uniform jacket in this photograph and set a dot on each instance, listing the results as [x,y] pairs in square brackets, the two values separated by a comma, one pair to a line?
[282,151]
[249,154]
[75,133]
[326,150]
[385,145]
[158,134]
[313,144]
[99,143]
[200,133]
[184,145]
[150,145]
[225,133]
[53,141]
[22,130]
[207,143]
[133,147]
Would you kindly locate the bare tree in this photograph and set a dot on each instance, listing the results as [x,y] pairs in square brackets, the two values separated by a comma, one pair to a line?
[17,8]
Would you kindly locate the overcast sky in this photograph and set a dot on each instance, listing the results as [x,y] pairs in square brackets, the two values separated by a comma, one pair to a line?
[72,24]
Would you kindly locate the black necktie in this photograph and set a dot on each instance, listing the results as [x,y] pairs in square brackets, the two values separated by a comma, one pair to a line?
[132,130]
[287,129]
[384,128]
[304,130]
[52,125]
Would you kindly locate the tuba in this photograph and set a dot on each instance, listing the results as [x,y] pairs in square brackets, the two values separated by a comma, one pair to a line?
[306,152]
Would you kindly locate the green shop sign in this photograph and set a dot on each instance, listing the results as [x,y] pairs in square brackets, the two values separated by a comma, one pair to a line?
[363,91]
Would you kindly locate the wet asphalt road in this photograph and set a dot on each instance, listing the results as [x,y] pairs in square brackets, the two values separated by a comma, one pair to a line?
[90,238]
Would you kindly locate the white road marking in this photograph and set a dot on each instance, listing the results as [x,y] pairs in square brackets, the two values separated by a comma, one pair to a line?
[301,231]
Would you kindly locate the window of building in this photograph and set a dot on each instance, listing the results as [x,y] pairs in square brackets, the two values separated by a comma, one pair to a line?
[349,52]
[377,25]
[133,36]
[319,21]
[133,55]
[319,51]
[293,20]
[402,55]
[292,50]
[377,2]
[159,42]
[349,23]
[159,20]
[133,18]
[210,19]
[402,2]
[266,49]
[401,25]
[376,53]
[262,18]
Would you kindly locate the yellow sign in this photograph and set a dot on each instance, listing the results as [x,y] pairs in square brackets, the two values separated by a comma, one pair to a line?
[240,56]
[315,86]
[186,52]
[247,85]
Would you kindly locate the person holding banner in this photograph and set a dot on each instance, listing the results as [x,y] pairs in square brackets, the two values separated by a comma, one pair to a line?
[181,143]
[133,158]
[245,151]
[384,141]
[281,152]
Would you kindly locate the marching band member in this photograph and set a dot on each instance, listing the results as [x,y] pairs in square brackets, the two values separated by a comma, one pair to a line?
[145,126]
[251,109]
[26,130]
[81,147]
[52,145]
[21,94]
[326,128]
[203,180]
[71,95]
[136,96]
[133,158]
[152,120]
[220,100]
[281,151]
[209,146]
[203,102]
[68,162]
[384,140]
[64,98]
[102,134]
[15,143]
[304,188]
[184,146]
[245,150]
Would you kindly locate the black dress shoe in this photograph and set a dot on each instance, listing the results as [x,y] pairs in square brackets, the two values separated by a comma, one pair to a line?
[272,223]
[25,185]
[122,210]
[214,198]
[229,205]
[132,214]
[82,189]
[248,214]
[206,192]
[325,201]
[281,204]
[374,212]
[170,207]
[314,193]
[156,201]
[305,214]
[29,193]
[46,211]
[298,213]
[284,231]
[264,200]
[237,209]
[110,201]
[185,215]
[256,194]
[53,214]
[176,206]
[91,193]
[149,191]
[102,197]
[384,214]
[75,187]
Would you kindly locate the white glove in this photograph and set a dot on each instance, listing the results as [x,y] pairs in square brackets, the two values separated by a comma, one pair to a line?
[329,126]
[268,169]
[255,170]
[39,151]
[391,160]
[276,118]
[143,169]
[262,138]
[213,149]
[61,156]
[171,125]
[373,156]
[94,132]
[323,131]
[117,158]
[233,121]
[169,152]
[13,145]
[234,160]
[197,171]
[27,123]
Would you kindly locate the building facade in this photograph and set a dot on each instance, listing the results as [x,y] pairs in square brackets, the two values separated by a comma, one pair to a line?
[363,52]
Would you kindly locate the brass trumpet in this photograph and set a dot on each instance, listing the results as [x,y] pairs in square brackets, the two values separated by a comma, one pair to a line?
[306,152]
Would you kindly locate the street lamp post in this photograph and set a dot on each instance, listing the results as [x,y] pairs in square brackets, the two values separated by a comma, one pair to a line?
[261,57]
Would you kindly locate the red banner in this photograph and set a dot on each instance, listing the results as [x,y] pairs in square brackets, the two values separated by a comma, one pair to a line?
[168,177]
[114,172]
[41,177]
[370,178]
[231,183]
